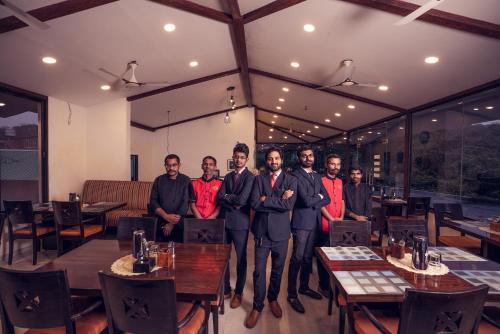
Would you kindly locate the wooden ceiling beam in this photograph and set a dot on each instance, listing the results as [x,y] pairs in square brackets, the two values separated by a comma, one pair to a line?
[240,49]
[142,126]
[434,16]
[197,9]
[269,9]
[299,119]
[327,90]
[182,84]
[51,12]
[282,131]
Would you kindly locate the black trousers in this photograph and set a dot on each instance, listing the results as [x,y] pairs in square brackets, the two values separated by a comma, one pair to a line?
[324,278]
[278,250]
[239,238]
[301,259]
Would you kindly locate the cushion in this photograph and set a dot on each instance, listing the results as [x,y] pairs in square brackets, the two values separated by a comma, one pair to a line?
[363,325]
[134,193]
[196,322]
[487,328]
[92,323]
[374,237]
[40,230]
[112,216]
[88,230]
[470,244]
[341,300]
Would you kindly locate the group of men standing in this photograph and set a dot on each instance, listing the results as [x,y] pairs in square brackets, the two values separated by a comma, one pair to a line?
[301,204]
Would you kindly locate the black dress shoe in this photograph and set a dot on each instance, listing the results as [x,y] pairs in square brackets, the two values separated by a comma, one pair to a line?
[310,293]
[296,305]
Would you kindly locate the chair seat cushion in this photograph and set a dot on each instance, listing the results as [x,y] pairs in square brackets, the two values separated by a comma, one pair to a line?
[487,328]
[467,243]
[341,300]
[92,323]
[363,325]
[88,230]
[373,237]
[40,230]
[216,302]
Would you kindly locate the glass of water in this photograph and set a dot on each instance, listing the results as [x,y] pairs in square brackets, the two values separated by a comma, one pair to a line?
[434,259]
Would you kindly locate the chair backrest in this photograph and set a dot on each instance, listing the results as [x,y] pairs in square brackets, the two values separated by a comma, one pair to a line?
[210,231]
[35,299]
[350,233]
[139,305]
[406,228]
[19,212]
[425,312]
[453,210]
[67,213]
[418,206]
[379,217]
[127,226]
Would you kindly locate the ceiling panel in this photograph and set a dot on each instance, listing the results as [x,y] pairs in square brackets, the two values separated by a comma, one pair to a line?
[263,135]
[481,10]
[26,5]
[250,5]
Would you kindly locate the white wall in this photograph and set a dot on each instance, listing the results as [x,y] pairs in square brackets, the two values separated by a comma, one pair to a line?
[108,141]
[194,140]
[67,148]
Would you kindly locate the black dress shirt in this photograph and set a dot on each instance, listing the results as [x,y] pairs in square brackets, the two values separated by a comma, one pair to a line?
[358,199]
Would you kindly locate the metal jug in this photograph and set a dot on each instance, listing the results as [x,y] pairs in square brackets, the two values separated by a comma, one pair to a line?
[138,243]
[419,256]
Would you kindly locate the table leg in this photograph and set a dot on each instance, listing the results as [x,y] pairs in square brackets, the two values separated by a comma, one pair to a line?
[350,318]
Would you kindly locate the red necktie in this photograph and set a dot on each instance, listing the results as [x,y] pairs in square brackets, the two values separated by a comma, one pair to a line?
[273,180]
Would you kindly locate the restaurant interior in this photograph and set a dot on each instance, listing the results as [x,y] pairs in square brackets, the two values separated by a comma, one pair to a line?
[95,93]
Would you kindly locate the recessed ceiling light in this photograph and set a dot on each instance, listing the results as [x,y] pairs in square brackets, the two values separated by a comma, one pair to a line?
[476,109]
[308,131]
[169,27]
[378,133]
[271,130]
[309,27]
[345,138]
[285,89]
[275,116]
[281,99]
[278,107]
[338,114]
[270,137]
[303,134]
[286,137]
[401,128]
[193,63]
[434,120]
[105,87]
[273,122]
[370,132]
[2,104]
[383,88]
[294,64]
[489,107]
[351,106]
[327,120]
[431,60]
[49,60]
[316,127]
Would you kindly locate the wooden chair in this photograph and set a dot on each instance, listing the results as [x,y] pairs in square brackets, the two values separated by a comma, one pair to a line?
[142,305]
[406,228]
[21,224]
[71,226]
[379,224]
[127,226]
[454,211]
[42,302]
[209,231]
[418,206]
[346,233]
[425,312]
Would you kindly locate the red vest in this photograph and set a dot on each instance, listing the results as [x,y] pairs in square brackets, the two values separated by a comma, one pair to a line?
[205,194]
[334,190]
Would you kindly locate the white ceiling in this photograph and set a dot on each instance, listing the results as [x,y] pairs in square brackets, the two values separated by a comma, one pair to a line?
[111,35]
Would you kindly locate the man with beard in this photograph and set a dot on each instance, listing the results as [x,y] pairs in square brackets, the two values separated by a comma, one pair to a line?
[233,197]
[169,200]
[332,211]
[204,190]
[358,203]
[306,218]
[273,197]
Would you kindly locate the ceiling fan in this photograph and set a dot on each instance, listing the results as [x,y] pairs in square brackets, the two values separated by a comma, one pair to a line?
[419,12]
[132,81]
[348,65]
[23,16]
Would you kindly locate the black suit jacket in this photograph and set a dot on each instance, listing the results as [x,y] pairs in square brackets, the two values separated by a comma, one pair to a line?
[272,217]
[233,200]
[307,212]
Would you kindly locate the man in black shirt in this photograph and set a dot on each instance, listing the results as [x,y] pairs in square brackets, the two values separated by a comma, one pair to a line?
[357,196]
[169,200]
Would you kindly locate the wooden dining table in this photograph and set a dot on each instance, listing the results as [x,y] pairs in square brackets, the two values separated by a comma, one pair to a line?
[198,269]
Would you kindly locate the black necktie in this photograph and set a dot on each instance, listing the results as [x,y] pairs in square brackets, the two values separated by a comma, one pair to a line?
[311,175]
[235,178]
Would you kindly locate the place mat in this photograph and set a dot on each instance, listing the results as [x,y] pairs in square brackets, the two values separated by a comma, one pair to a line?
[450,254]
[488,230]
[477,277]
[123,266]
[372,282]
[406,264]
[357,253]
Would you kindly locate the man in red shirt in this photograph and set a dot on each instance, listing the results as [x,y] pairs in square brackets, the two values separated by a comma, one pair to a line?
[204,190]
[332,211]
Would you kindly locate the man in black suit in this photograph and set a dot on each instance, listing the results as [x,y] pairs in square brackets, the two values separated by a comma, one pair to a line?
[273,197]
[306,219]
[233,198]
